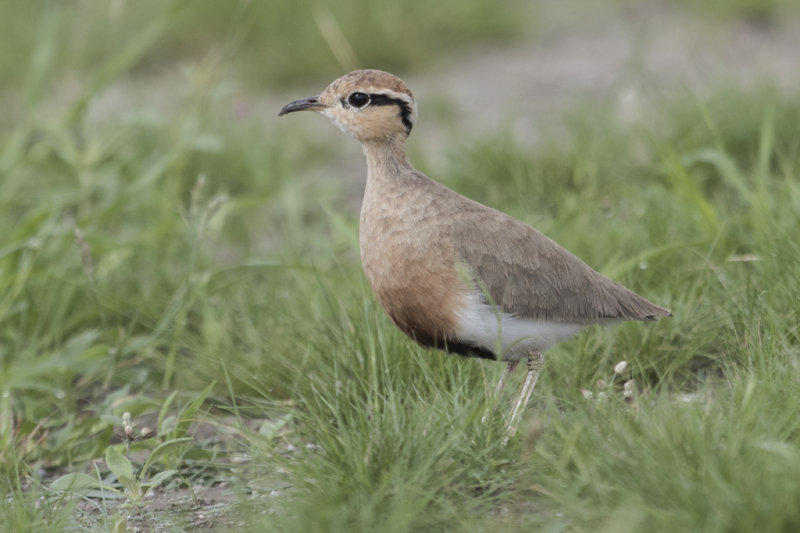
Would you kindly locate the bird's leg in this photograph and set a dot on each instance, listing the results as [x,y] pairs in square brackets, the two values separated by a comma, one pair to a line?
[535,363]
[510,367]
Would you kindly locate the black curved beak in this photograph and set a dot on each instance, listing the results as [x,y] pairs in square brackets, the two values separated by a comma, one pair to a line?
[306,104]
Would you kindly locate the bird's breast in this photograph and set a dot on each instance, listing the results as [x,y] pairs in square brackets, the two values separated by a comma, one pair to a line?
[410,261]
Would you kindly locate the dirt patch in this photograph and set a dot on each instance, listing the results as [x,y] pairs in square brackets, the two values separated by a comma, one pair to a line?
[586,51]
[201,509]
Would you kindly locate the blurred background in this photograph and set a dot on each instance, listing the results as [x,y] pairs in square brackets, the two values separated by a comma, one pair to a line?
[171,249]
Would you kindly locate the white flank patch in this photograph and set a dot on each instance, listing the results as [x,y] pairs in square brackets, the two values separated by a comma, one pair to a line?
[485,326]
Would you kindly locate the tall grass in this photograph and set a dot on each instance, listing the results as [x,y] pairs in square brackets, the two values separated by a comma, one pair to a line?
[263,43]
[145,256]
[702,223]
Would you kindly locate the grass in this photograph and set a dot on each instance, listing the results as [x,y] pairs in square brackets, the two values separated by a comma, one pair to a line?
[266,43]
[190,267]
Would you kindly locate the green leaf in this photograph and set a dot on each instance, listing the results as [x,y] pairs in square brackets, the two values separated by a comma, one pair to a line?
[158,479]
[118,464]
[186,417]
[162,414]
[130,486]
[270,428]
[106,493]
[76,481]
[163,449]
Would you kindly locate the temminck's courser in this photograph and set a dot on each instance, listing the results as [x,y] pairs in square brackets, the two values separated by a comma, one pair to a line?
[450,272]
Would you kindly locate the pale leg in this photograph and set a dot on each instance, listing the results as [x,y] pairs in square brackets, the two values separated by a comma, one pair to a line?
[510,367]
[535,363]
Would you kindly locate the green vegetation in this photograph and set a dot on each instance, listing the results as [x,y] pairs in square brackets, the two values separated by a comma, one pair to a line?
[767,12]
[189,266]
[267,43]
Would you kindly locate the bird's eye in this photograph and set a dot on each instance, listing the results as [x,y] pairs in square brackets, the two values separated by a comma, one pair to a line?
[358,100]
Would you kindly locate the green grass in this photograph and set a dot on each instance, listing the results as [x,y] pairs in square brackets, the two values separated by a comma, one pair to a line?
[766,12]
[264,43]
[703,223]
[193,268]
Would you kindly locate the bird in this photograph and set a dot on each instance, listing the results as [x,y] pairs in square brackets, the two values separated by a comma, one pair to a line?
[451,273]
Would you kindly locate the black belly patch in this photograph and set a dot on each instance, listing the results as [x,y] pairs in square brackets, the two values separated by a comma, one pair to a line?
[467,350]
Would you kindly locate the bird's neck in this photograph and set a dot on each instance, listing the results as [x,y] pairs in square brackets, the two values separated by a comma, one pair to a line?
[386,161]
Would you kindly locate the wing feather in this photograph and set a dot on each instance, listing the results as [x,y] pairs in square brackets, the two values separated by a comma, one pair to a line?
[531,276]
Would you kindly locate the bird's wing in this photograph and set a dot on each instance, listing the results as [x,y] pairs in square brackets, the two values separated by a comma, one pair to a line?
[530,276]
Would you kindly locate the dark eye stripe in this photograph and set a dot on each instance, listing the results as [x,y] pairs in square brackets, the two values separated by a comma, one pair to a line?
[382,99]
[405,109]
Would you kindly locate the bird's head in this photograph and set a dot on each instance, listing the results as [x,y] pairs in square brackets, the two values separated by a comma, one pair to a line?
[370,105]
